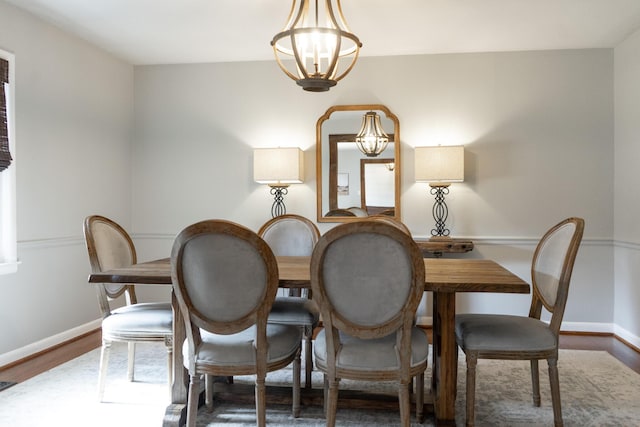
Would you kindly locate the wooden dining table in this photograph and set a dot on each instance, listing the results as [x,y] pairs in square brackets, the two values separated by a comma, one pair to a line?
[443,277]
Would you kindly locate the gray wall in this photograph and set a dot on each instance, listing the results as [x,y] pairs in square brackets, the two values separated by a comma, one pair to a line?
[627,197]
[525,118]
[159,147]
[74,111]
[537,126]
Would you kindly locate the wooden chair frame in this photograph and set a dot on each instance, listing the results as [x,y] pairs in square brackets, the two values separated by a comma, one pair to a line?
[391,220]
[109,292]
[400,324]
[195,320]
[556,308]
[306,293]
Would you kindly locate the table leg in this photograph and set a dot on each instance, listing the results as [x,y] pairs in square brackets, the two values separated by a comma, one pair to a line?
[176,413]
[445,358]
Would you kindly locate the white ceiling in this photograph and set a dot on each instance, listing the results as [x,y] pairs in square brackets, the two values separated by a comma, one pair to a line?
[188,31]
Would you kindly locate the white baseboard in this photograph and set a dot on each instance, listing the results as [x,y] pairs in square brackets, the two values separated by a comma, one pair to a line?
[54,340]
[588,327]
[627,336]
[610,328]
[566,326]
[597,328]
[48,342]
[424,321]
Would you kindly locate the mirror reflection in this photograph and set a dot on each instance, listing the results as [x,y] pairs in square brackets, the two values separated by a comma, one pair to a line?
[377,185]
[358,168]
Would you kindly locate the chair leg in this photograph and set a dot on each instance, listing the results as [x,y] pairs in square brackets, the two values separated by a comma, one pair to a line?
[554,380]
[104,362]
[405,403]
[472,362]
[332,402]
[208,392]
[535,382]
[420,397]
[131,359]
[261,417]
[325,392]
[296,385]
[308,355]
[194,392]
[169,344]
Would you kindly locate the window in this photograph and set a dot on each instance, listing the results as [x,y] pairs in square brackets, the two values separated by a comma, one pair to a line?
[8,243]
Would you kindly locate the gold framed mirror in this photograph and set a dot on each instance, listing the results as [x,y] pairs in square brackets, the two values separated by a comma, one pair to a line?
[350,183]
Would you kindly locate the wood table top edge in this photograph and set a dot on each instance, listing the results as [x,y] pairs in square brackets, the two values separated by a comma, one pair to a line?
[470,275]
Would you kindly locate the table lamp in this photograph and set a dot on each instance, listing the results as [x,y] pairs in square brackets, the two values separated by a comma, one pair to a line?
[278,167]
[439,166]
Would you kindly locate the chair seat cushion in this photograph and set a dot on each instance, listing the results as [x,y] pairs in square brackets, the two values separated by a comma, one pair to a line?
[504,333]
[375,354]
[238,349]
[143,320]
[294,311]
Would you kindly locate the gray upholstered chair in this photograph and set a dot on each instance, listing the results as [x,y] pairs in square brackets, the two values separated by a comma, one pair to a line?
[391,220]
[294,235]
[340,212]
[358,211]
[225,278]
[492,336]
[110,246]
[368,279]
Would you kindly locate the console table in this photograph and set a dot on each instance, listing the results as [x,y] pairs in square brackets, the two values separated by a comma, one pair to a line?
[437,247]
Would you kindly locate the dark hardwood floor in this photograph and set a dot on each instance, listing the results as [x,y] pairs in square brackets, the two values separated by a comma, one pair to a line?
[43,361]
[621,350]
[40,362]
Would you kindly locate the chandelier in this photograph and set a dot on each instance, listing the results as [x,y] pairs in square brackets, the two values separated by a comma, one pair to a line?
[371,140]
[316,47]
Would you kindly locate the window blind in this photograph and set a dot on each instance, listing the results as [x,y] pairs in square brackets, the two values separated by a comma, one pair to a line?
[5,155]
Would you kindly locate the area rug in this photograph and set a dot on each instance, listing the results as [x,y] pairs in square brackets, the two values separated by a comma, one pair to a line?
[597,390]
